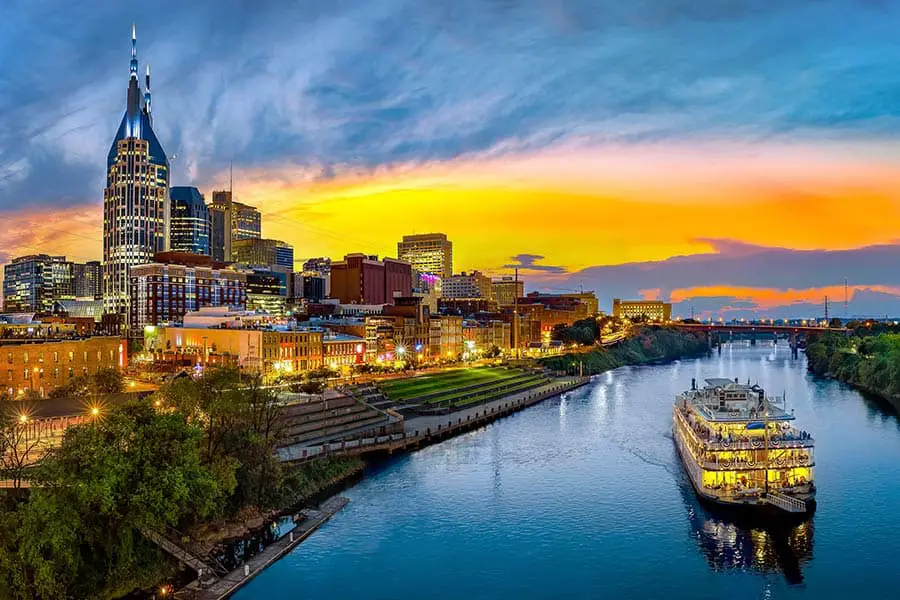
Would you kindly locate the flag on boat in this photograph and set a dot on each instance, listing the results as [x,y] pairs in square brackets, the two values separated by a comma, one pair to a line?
[756,425]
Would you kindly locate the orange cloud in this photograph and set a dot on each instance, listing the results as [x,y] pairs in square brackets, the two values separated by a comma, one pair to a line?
[769,298]
[584,207]
[76,232]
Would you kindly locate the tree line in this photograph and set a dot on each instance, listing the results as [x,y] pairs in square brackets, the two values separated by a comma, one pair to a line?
[199,449]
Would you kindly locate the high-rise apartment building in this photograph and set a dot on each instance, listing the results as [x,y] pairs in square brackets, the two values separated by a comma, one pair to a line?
[430,253]
[189,221]
[33,283]
[88,280]
[468,285]
[264,252]
[507,289]
[136,198]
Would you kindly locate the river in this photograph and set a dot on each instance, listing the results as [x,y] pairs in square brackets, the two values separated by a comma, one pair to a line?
[584,497]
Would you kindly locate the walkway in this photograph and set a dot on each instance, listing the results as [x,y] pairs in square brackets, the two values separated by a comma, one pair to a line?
[421,424]
[436,428]
[229,584]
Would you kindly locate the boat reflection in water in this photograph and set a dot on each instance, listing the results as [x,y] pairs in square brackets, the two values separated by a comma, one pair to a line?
[730,544]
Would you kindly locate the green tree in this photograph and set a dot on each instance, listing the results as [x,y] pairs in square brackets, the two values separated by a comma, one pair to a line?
[20,444]
[78,535]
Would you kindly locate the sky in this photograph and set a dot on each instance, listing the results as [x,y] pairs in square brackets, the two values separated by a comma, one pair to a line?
[737,157]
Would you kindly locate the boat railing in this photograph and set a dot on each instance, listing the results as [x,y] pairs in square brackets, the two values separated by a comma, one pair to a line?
[785,503]
[749,465]
[791,438]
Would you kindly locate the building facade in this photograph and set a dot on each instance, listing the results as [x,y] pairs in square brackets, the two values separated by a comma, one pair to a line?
[507,289]
[246,222]
[178,283]
[309,287]
[43,366]
[267,291]
[430,253]
[342,350]
[88,280]
[271,353]
[652,310]
[361,279]
[482,336]
[263,252]
[468,285]
[33,283]
[136,198]
[220,226]
[189,221]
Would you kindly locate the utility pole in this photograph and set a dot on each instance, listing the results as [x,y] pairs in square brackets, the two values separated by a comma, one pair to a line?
[845,297]
[516,314]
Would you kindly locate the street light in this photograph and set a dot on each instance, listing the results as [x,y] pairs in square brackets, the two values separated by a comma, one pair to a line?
[23,418]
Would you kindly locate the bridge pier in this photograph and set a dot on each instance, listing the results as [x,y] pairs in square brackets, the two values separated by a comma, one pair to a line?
[752,338]
[795,351]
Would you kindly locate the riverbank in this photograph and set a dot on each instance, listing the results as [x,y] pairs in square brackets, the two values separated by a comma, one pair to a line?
[304,485]
[225,586]
[586,498]
[651,344]
[870,364]
[429,433]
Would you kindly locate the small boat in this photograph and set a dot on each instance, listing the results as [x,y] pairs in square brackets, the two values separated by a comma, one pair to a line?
[741,451]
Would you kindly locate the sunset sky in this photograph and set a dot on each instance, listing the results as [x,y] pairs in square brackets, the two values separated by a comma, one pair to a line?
[738,157]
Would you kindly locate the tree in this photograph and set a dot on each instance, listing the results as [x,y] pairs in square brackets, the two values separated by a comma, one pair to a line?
[241,424]
[834,323]
[20,444]
[107,381]
[80,530]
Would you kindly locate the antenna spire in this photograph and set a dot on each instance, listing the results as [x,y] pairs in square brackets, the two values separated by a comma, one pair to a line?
[134,61]
[147,92]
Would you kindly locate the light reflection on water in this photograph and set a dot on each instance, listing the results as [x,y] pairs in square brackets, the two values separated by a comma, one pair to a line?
[584,497]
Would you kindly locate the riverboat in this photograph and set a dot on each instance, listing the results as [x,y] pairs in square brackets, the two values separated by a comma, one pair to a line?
[741,451]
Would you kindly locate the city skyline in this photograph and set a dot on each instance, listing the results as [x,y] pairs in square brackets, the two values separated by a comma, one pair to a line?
[659,190]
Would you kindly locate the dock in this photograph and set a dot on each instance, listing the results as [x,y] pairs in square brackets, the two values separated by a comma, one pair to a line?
[227,585]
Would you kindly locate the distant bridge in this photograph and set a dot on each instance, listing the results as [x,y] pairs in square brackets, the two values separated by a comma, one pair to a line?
[753,328]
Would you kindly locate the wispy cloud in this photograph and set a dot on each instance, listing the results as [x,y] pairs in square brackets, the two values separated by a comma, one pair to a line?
[348,85]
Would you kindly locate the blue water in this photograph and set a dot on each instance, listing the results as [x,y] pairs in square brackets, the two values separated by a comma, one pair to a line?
[584,497]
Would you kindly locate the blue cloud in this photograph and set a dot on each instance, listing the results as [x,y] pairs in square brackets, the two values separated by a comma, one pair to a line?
[348,84]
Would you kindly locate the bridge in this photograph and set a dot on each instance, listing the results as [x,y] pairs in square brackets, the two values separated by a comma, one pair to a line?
[793,332]
[758,328]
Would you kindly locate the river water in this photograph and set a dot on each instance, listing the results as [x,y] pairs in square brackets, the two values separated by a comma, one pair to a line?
[584,497]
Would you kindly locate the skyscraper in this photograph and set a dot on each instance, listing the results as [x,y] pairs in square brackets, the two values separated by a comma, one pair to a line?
[246,222]
[220,226]
[430,253]
[88,280]
[136,198]
[263,252]
[32,283]
[189,221]
[231,221]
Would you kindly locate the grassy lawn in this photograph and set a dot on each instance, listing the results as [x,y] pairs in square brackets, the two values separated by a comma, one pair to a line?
[414,387]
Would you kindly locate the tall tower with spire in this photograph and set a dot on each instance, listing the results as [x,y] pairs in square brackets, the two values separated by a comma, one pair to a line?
[136,198]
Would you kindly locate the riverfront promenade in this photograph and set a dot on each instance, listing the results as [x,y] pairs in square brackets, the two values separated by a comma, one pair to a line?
[424,423]
[225,586]
[432,429]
